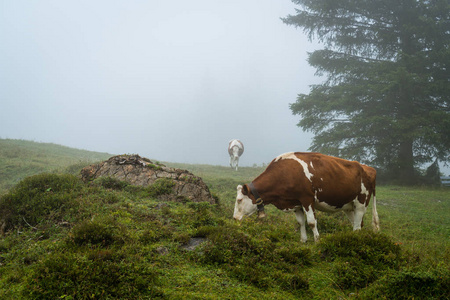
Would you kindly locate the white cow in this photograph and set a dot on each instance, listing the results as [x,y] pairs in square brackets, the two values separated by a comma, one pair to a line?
[235,149]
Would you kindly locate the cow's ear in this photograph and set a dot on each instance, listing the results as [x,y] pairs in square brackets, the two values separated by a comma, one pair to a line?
[245,190]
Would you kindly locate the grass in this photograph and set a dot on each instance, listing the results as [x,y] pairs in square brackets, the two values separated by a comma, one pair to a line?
[109,240]
[19,159]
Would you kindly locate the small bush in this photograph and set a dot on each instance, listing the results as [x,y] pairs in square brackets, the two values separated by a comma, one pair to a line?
[162,186]
[202,216]
[408,284]
[61,276]
[332,223]
[111,183]
[254,259]
[38,198]
[296,255]
[101,232]
[353,273]
[359,258]
[292,282]
[154,232]
[227,245]
[371,248]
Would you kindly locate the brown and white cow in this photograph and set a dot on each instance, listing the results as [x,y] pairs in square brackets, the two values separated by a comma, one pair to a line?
[235,150]
[303,182]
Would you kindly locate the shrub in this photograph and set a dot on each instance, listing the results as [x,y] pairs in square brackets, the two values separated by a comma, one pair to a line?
[371,248]
[96,232]
[408,284]
[332,223]
[254,259]
[292,282]
[38,198]
[202,215]
[359,258]
[156,231]
[295,255]
[161,186]
[111,183]
[65,275]
[353,273]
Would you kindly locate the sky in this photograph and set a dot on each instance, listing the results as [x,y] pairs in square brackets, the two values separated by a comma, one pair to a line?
[173,80]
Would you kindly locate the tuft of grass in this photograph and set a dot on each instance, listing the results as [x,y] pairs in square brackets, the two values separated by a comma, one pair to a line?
[162,186]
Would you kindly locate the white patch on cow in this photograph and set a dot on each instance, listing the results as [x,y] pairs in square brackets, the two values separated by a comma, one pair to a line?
[310,163]
[325,207]
[291,155]
[321,179]
[364,191]
[312,222]
[360,210]
[291,209]
[299,215]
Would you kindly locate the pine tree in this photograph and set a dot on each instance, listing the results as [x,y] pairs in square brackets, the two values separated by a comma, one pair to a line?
[386,97]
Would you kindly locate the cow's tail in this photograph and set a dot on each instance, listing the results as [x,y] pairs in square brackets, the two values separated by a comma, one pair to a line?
[375,220]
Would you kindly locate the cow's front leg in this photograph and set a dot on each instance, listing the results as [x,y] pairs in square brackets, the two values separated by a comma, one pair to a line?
[312,222]
[360,210]
[237,162]
[301,220]
[350,215]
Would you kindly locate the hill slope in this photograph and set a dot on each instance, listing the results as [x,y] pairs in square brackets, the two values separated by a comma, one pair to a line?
[19,159]
[65,239]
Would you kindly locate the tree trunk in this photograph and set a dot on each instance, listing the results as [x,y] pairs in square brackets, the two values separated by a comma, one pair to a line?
[406,174]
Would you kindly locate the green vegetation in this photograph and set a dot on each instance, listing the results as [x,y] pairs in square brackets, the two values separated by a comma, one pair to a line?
[109,240]
[19,159]
[385,95]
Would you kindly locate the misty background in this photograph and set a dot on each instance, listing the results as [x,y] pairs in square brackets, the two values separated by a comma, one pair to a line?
[169,80]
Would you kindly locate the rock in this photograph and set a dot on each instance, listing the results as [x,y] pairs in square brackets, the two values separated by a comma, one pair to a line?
[162,250]
[194,243]
[142,171]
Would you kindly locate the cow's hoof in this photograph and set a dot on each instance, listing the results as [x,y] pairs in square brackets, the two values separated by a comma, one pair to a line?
[261,214]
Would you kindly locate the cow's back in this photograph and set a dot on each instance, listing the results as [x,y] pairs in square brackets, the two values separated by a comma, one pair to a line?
[329,179]
[335,181]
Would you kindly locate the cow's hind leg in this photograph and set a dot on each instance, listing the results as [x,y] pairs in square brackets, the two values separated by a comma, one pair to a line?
[301,220]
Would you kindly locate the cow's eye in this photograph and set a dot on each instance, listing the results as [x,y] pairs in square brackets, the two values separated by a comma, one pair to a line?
[239,200]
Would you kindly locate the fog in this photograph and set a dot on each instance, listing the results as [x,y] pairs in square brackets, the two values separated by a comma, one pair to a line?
[169,80]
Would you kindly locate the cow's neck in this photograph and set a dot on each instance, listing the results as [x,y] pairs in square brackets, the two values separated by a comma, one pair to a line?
[268,189]
[264,189]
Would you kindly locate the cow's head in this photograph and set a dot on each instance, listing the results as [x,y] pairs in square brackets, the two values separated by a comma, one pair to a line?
[244,206]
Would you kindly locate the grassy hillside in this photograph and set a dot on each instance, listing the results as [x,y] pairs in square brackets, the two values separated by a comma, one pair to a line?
[108,240]
[19,159]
